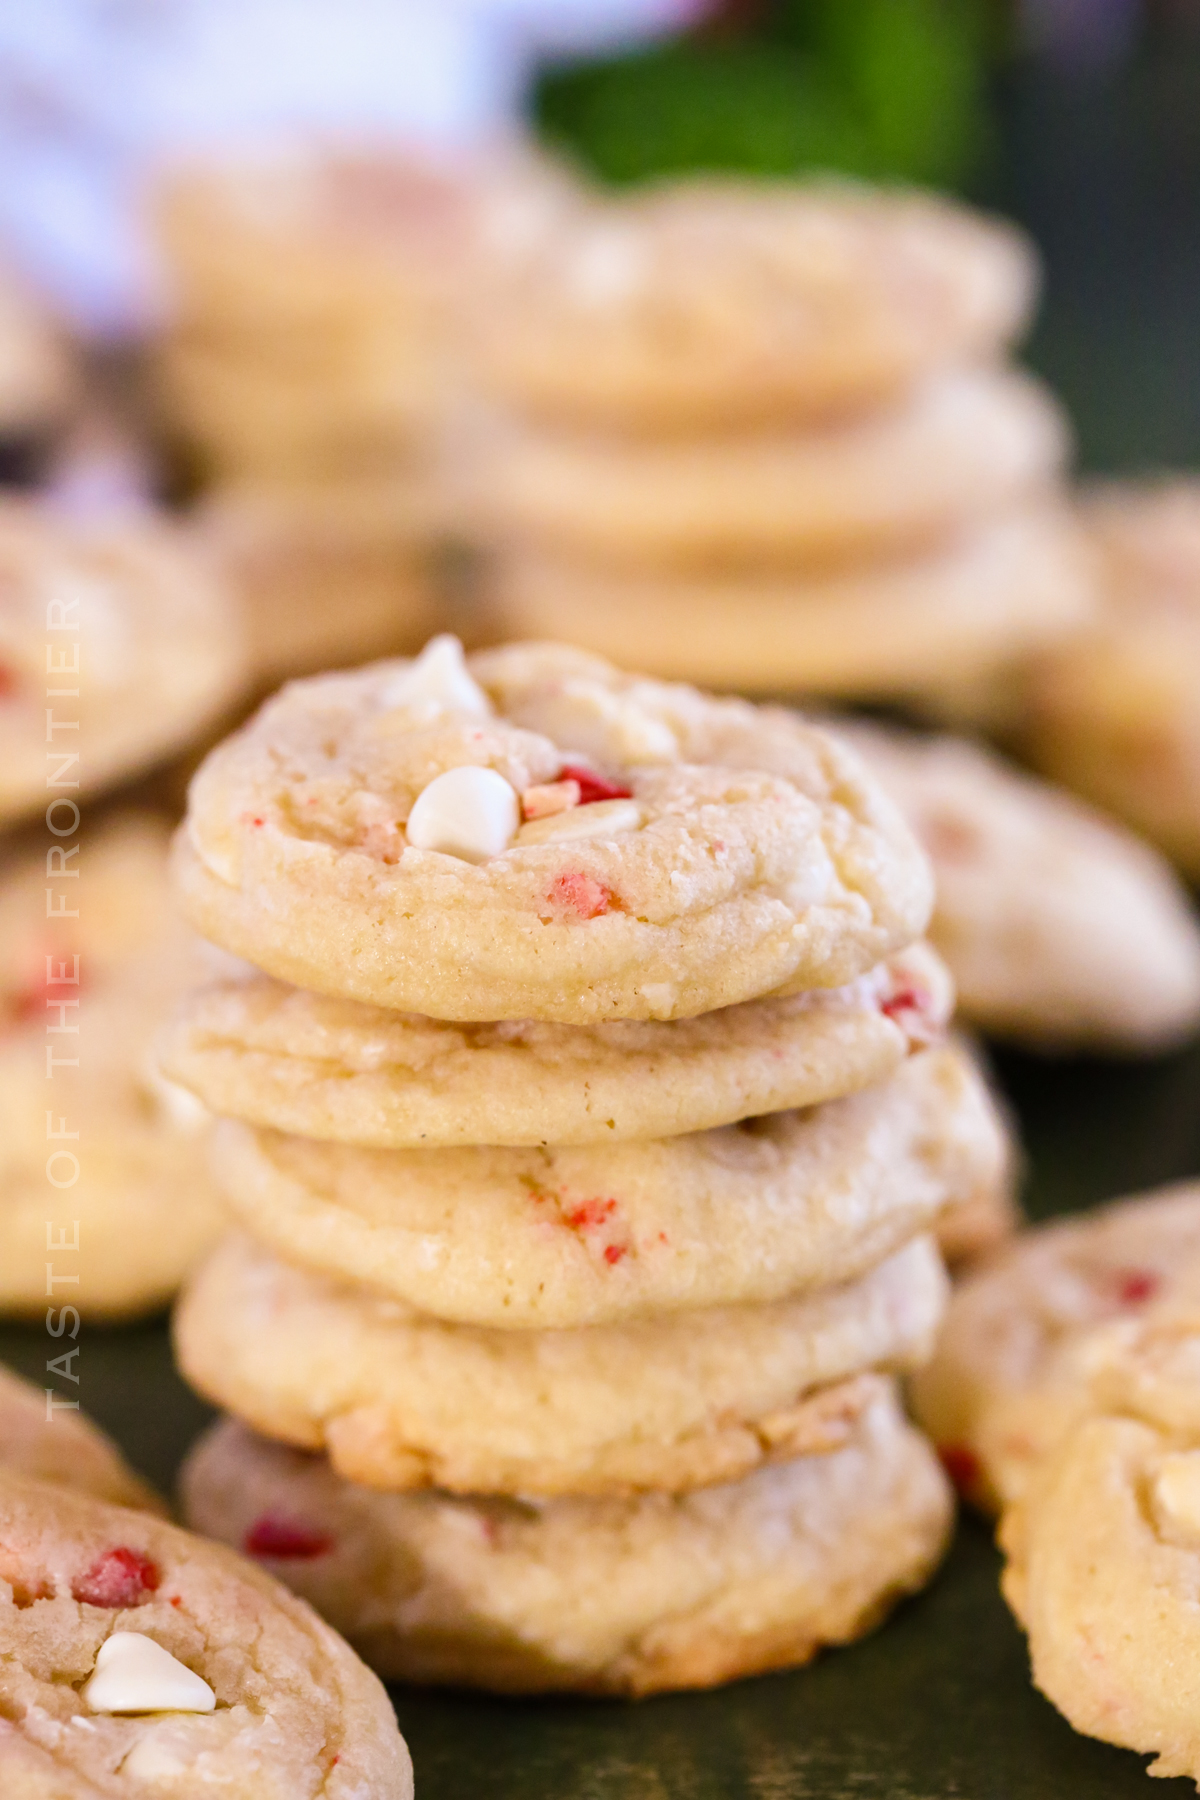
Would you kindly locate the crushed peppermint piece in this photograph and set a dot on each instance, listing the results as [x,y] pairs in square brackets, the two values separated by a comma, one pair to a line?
[582,895]
[548,798]
[286,1540]
[593,787]
[120,1578]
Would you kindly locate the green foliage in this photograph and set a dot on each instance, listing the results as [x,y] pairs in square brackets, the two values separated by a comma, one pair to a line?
[872,88]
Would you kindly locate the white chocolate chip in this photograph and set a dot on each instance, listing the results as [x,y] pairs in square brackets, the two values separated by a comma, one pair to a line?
[133,1674]
[438,682]
[177,1105]
[550,797]
[468,812]
[222,860]
[604,818]
[613,730]
[1177,1492]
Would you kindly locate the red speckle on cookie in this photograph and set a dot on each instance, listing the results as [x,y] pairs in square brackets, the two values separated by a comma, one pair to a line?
[591,1212]
[121,1577]
[581,894]
[910,1007]
[255,819]
[285,1539]
[949,838]
[1135,1286]
[593,787]
[961,1465]
[9,682]
[613,1254]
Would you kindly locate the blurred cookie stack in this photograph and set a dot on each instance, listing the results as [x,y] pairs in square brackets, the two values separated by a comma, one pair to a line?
[116,653]
[587,1118]
[763,437]
[306,377]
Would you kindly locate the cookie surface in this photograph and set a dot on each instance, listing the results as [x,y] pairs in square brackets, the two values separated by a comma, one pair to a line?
[966,444]
[1061,929]
[1014,1362]
[891,628]
[400,1401]
[707,302]
[259,1050]
[65,1448]
[521,1238]
[297,1716]
[147,636]
[745,852]
[134,1205]
[1114,713]
[595,1596]
[1104,1562]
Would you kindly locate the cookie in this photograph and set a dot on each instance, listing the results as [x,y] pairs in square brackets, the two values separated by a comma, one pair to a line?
[1061,929]
[326,572]
[1104,1562]
[362,836]
[703,303]
[1114,713]
[64,1447]
[888,629]
[1014,1363]
[399,1400]
[107,1214]
[135,1659]
[587,1595]
[522,1238]
[120,634]
[256,1049]
[966,445]
[37,381]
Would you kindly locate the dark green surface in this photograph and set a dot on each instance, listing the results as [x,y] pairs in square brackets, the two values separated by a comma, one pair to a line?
[937,1704]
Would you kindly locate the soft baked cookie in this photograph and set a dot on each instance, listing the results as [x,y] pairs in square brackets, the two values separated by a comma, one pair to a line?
[1024,1330]
[120,634]
[549,1237]
[967,444]
[362,836]
[594,1596]
[707,302]
[136,1660]
[1061,929]
[256,1049]
[37,382]
[63,1446]
[121,1210]
[326,572]
[400,1400]
[898,628]
[1105,1561]
[1115,712]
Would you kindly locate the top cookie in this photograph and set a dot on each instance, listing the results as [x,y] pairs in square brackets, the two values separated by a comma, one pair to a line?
[362,836]
[702,303]
[136,1659]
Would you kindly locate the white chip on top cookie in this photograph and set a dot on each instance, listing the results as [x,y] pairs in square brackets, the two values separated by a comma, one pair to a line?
[745,853]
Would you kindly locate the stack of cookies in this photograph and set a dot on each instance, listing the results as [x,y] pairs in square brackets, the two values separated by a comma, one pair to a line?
[587,1119]
[764,438]
[304,377]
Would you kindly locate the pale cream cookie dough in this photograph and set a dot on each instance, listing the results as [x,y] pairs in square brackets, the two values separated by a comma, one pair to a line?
[139,641]
[128,1205]
[1062,930]
[136,1660]
[1027,1328]
[562,1237]
[257,1049]
[63,1447]
[1115,713]
[537,835]
[400,1400]
[897,628]
[593,1596]
[966,445]
[710,302]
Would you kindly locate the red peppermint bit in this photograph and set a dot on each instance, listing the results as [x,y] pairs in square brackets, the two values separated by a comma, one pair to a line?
[663,1238]
[9,681]
[950,839]
[961,1465]
[285,1540]
[175,1600]
[581,894]
[593,787]
[1135,1286]
[253,819]
[613,1254]
[905,1000]
[591,1212]
[120,1578]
